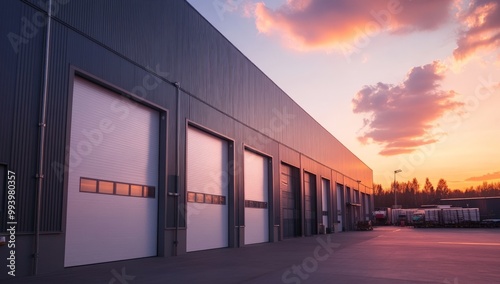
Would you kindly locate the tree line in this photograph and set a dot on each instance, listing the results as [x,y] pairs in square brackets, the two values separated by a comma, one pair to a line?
[411,195]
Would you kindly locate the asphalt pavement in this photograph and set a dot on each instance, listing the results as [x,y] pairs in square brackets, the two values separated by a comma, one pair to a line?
[384,255]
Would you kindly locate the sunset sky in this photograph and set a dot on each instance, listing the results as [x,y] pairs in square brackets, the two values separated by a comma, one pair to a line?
[404,84]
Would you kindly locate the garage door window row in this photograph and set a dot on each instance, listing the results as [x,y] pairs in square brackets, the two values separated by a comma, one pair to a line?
[198,197]
[255,204]
[116,188]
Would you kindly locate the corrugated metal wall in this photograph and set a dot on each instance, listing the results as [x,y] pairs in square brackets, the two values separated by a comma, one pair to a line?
[122,45]
[173,35]
[489,208]
[20,108]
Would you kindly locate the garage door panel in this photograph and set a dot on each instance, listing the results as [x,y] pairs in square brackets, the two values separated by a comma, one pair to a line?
[290,207]
[256,224]
[256,182]
[207,163]
[340,208]
[207,186]
[310,203]
[256,177]
[99,140]
[121,238]
[114,140]
[207,226]
[325,187]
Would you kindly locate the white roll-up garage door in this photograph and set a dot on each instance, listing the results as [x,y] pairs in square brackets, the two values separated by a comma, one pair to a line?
[325,199]
[368,214]
[207,191]
[340,208]
[256,198]
[113,178]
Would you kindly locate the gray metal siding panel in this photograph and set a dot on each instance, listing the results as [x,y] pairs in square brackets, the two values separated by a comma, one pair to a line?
[173,34]
[203,114]
[24,119]
[117,43]
[8,73]
[52,194]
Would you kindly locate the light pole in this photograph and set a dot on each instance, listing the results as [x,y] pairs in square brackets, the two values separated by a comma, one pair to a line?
[395,197]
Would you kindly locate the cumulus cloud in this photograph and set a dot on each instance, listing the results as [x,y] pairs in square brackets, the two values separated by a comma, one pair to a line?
[481,31]
[244,7]
[314,24]
[402,117]
[488,176]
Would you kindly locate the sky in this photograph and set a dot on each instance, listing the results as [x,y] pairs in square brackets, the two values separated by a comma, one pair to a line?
[404,84]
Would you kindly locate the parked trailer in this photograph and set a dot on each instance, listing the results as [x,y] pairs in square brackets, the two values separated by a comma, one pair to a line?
[490,223]
[418,218]
[432,216]
[427,218]
[382,216]
[403,216]
[461,217]
[447,217]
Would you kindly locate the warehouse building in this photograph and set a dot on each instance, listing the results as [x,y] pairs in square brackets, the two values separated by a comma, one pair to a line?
[135,129]
[489,207]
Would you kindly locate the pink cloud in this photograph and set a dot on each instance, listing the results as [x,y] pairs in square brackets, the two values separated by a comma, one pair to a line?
[312,24]
[481,28]
[488,176]
[402,117]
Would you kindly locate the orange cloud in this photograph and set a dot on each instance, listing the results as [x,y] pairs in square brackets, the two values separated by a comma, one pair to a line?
[481,28]
[402,117]
[314,24]
[488,176]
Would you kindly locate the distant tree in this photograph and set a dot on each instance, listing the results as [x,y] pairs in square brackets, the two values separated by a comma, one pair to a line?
[428,192]
[380,198]
[456,193]
[378,190]
[410,195]
[442,190]
[415,191]
[470,192]
[415,185]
